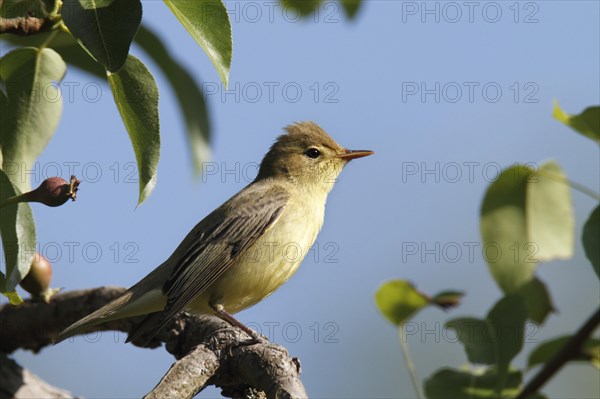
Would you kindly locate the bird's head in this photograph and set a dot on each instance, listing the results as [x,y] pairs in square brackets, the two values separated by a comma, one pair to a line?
[308,156]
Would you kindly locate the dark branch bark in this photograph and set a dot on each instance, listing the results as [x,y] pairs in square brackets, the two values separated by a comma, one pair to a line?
[208,349]
[34,325]
[570,351]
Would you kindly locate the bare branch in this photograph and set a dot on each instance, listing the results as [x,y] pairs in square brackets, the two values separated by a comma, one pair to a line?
[209,350]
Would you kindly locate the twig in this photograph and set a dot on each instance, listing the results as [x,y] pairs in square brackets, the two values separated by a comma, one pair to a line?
[568,352]
[24,25]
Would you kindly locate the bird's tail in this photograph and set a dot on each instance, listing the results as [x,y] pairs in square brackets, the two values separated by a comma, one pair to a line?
[127,305]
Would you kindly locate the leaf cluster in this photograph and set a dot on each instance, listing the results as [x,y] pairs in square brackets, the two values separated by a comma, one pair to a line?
[526,218]
[96,36]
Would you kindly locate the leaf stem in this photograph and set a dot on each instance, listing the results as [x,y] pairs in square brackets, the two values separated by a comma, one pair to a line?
[409,363]
[583,189]
[48,40]
[573,184]
[568,352]
[13,200]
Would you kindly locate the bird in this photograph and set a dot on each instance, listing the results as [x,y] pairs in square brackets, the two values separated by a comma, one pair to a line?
[235,256]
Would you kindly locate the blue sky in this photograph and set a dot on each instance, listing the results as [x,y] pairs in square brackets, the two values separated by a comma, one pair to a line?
[444,97]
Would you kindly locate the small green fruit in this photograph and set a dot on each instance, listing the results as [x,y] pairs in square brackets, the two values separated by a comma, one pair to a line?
[37,281]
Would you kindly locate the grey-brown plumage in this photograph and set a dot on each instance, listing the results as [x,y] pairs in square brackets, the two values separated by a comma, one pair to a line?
[222,266]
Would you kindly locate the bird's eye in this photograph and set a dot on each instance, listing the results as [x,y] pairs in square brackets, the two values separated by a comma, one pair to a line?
[312,153]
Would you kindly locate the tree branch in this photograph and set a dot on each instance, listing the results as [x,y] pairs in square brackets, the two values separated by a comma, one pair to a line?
[34,325]
[187,375]
[17,382]
[209,350]
[24,25]
[568,352]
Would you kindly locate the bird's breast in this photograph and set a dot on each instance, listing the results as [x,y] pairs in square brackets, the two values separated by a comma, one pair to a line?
[271,261]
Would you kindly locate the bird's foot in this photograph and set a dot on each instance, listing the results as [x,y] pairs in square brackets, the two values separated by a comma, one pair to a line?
[254,339]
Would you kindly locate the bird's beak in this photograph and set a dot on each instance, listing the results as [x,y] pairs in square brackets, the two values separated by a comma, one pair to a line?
[353,154]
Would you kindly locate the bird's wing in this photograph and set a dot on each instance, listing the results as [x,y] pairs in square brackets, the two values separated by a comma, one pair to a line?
[213,246]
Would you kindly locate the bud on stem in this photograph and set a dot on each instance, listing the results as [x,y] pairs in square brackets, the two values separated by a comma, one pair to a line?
[54,191]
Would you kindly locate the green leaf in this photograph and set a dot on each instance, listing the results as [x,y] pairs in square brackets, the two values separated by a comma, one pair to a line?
[508,317]
[136,96]
[474,335]
[449,383]
[591,239]
[587,123]
[17,230]
[104,28]
[13,298]
[537,299]
[65,45]
[549,213]
[526,217]
[509,253]
[351,7]
[303,8]
[31,110]
[590,352]
[26,8]
[190,97]
[208,23]
[497,339]
[73,54]
[398,300]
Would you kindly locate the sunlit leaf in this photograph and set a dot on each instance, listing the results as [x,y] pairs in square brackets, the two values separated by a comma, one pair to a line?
[398,300]
[351,7]
[207,21]
[508,251]
[31,110]
[590,352]
[537,299]
[526,217]
[549,213]
[105,28]
[17,230]
[587,123]
[449,383]
[13,298]
[136,96]
[189,95]
[591,239]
